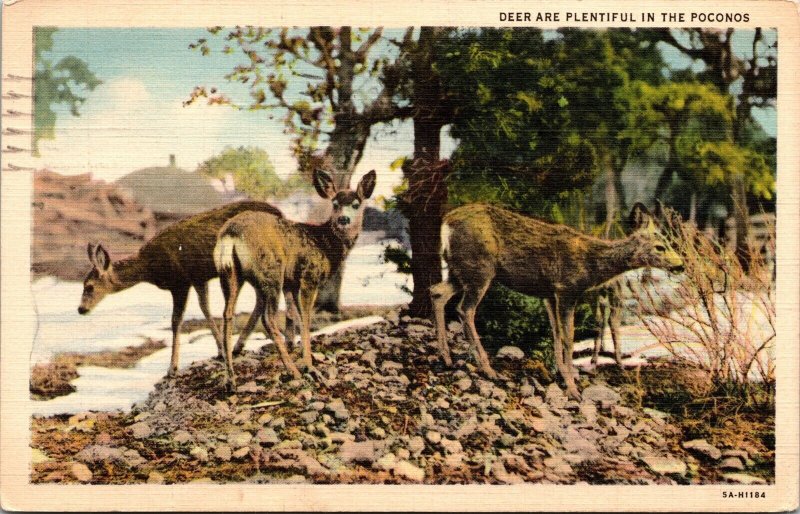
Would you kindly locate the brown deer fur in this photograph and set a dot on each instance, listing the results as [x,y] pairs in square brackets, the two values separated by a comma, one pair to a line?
[483,243]
[275,255]
[178,258]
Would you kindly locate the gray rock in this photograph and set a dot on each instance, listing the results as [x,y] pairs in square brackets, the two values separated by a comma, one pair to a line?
[513,353]
[502,475]
[181,436]
[141,430]
[601,394]
[241,452]
[735,453]
[743,478]
[155,478]
[365,452]
[702,447]
[369,357]
[81,472]
[558,465]
[452,446]
[409,471]
[433,436]
[664,465]
[555,396]
[267,436]
[132,458]
[387,462]
[732,463]
[309,416]
[416,445]
[199,453]
[223,452]
[338,409]
[96,454]
[239,439]
[526,390]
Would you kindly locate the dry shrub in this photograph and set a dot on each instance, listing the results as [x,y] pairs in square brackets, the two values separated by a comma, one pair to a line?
[715,316]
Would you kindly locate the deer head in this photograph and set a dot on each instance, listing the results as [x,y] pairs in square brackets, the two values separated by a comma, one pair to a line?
[100,280]
[651,247]
[348,205]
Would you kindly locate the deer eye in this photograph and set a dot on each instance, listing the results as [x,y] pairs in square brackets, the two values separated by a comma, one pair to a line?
[356,205]
[88,289]
[335,204]
[661,248]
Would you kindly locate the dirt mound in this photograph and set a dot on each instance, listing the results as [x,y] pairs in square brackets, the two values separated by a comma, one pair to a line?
[70,211]
[379,408]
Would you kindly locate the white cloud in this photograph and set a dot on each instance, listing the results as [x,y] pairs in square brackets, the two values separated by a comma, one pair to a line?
[124,127]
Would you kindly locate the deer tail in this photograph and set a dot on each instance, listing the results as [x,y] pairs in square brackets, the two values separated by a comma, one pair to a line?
[230,253]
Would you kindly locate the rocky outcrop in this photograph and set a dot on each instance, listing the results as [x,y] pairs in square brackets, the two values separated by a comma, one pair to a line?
[71,211]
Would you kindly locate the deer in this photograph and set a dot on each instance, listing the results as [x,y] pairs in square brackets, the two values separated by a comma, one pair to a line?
[276,255]
[177,259]
[483,243]
[606,301]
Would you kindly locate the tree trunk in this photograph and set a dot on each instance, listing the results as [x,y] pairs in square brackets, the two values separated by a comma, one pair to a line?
[612,204]
[425,198]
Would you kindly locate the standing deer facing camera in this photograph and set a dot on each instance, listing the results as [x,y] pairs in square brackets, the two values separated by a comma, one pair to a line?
[274,255]
[484,243]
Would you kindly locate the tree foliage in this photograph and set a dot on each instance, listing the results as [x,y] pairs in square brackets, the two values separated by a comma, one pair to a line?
[252,173]
[65,82]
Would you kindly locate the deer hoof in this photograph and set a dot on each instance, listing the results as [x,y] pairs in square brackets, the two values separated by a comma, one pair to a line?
[574,394]
[173,370]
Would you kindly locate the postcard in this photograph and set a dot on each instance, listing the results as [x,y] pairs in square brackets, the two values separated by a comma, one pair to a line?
[447,256]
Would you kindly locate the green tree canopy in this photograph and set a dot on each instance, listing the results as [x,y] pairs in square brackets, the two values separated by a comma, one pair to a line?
[65,82]
[252,173]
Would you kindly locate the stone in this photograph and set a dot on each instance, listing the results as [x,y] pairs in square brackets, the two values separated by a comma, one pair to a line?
[369,357]
[140,430]
[364,452]
[267,436]
[502,475]
[155,478]
[317,405]
[387,462]
[264,419]
[555,396]
[309,416]
[409,471]
[743,478]
[558,465]
[513,353]
[239,439]
[223,452]
[619,411]
[433,436]
[403,453]
[455,460]
[241,452]
[199,453]
[95,454]
[735,453]
[467,428]
[732,463]
[181,436]
[526,390]
[664,465]
[702,447]
[601,394]
[132,458]
[81,472]
[452,446]
[338,409]
[249,387]
[38,456]
[378,433]
[416,445]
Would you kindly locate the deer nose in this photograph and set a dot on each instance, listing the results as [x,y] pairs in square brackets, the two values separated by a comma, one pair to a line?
[344,220]
[82,310]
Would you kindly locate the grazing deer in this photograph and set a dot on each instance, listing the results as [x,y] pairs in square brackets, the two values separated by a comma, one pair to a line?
[177,259]
[482,243]
[274,255]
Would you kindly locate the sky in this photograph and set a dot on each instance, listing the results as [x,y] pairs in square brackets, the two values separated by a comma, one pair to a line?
[136,117]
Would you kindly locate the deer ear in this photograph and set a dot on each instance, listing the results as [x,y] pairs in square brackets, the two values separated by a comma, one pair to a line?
[102,258]
[323,183]
[90,249]
[659,211]
[639,216]
[367,185]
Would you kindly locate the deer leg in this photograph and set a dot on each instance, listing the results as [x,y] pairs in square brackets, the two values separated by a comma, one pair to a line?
[599,318]
[257,313]
[270,321]
[231,285]
[558,353]
[202,299]
[308,296]
[179,297]
[472,298]
[568,332]
[293,322]
[440,295]
[615,320]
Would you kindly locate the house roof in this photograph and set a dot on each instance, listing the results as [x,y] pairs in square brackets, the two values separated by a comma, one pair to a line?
[169,189]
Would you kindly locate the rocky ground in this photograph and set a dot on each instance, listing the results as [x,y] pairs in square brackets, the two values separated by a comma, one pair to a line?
[382,409]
